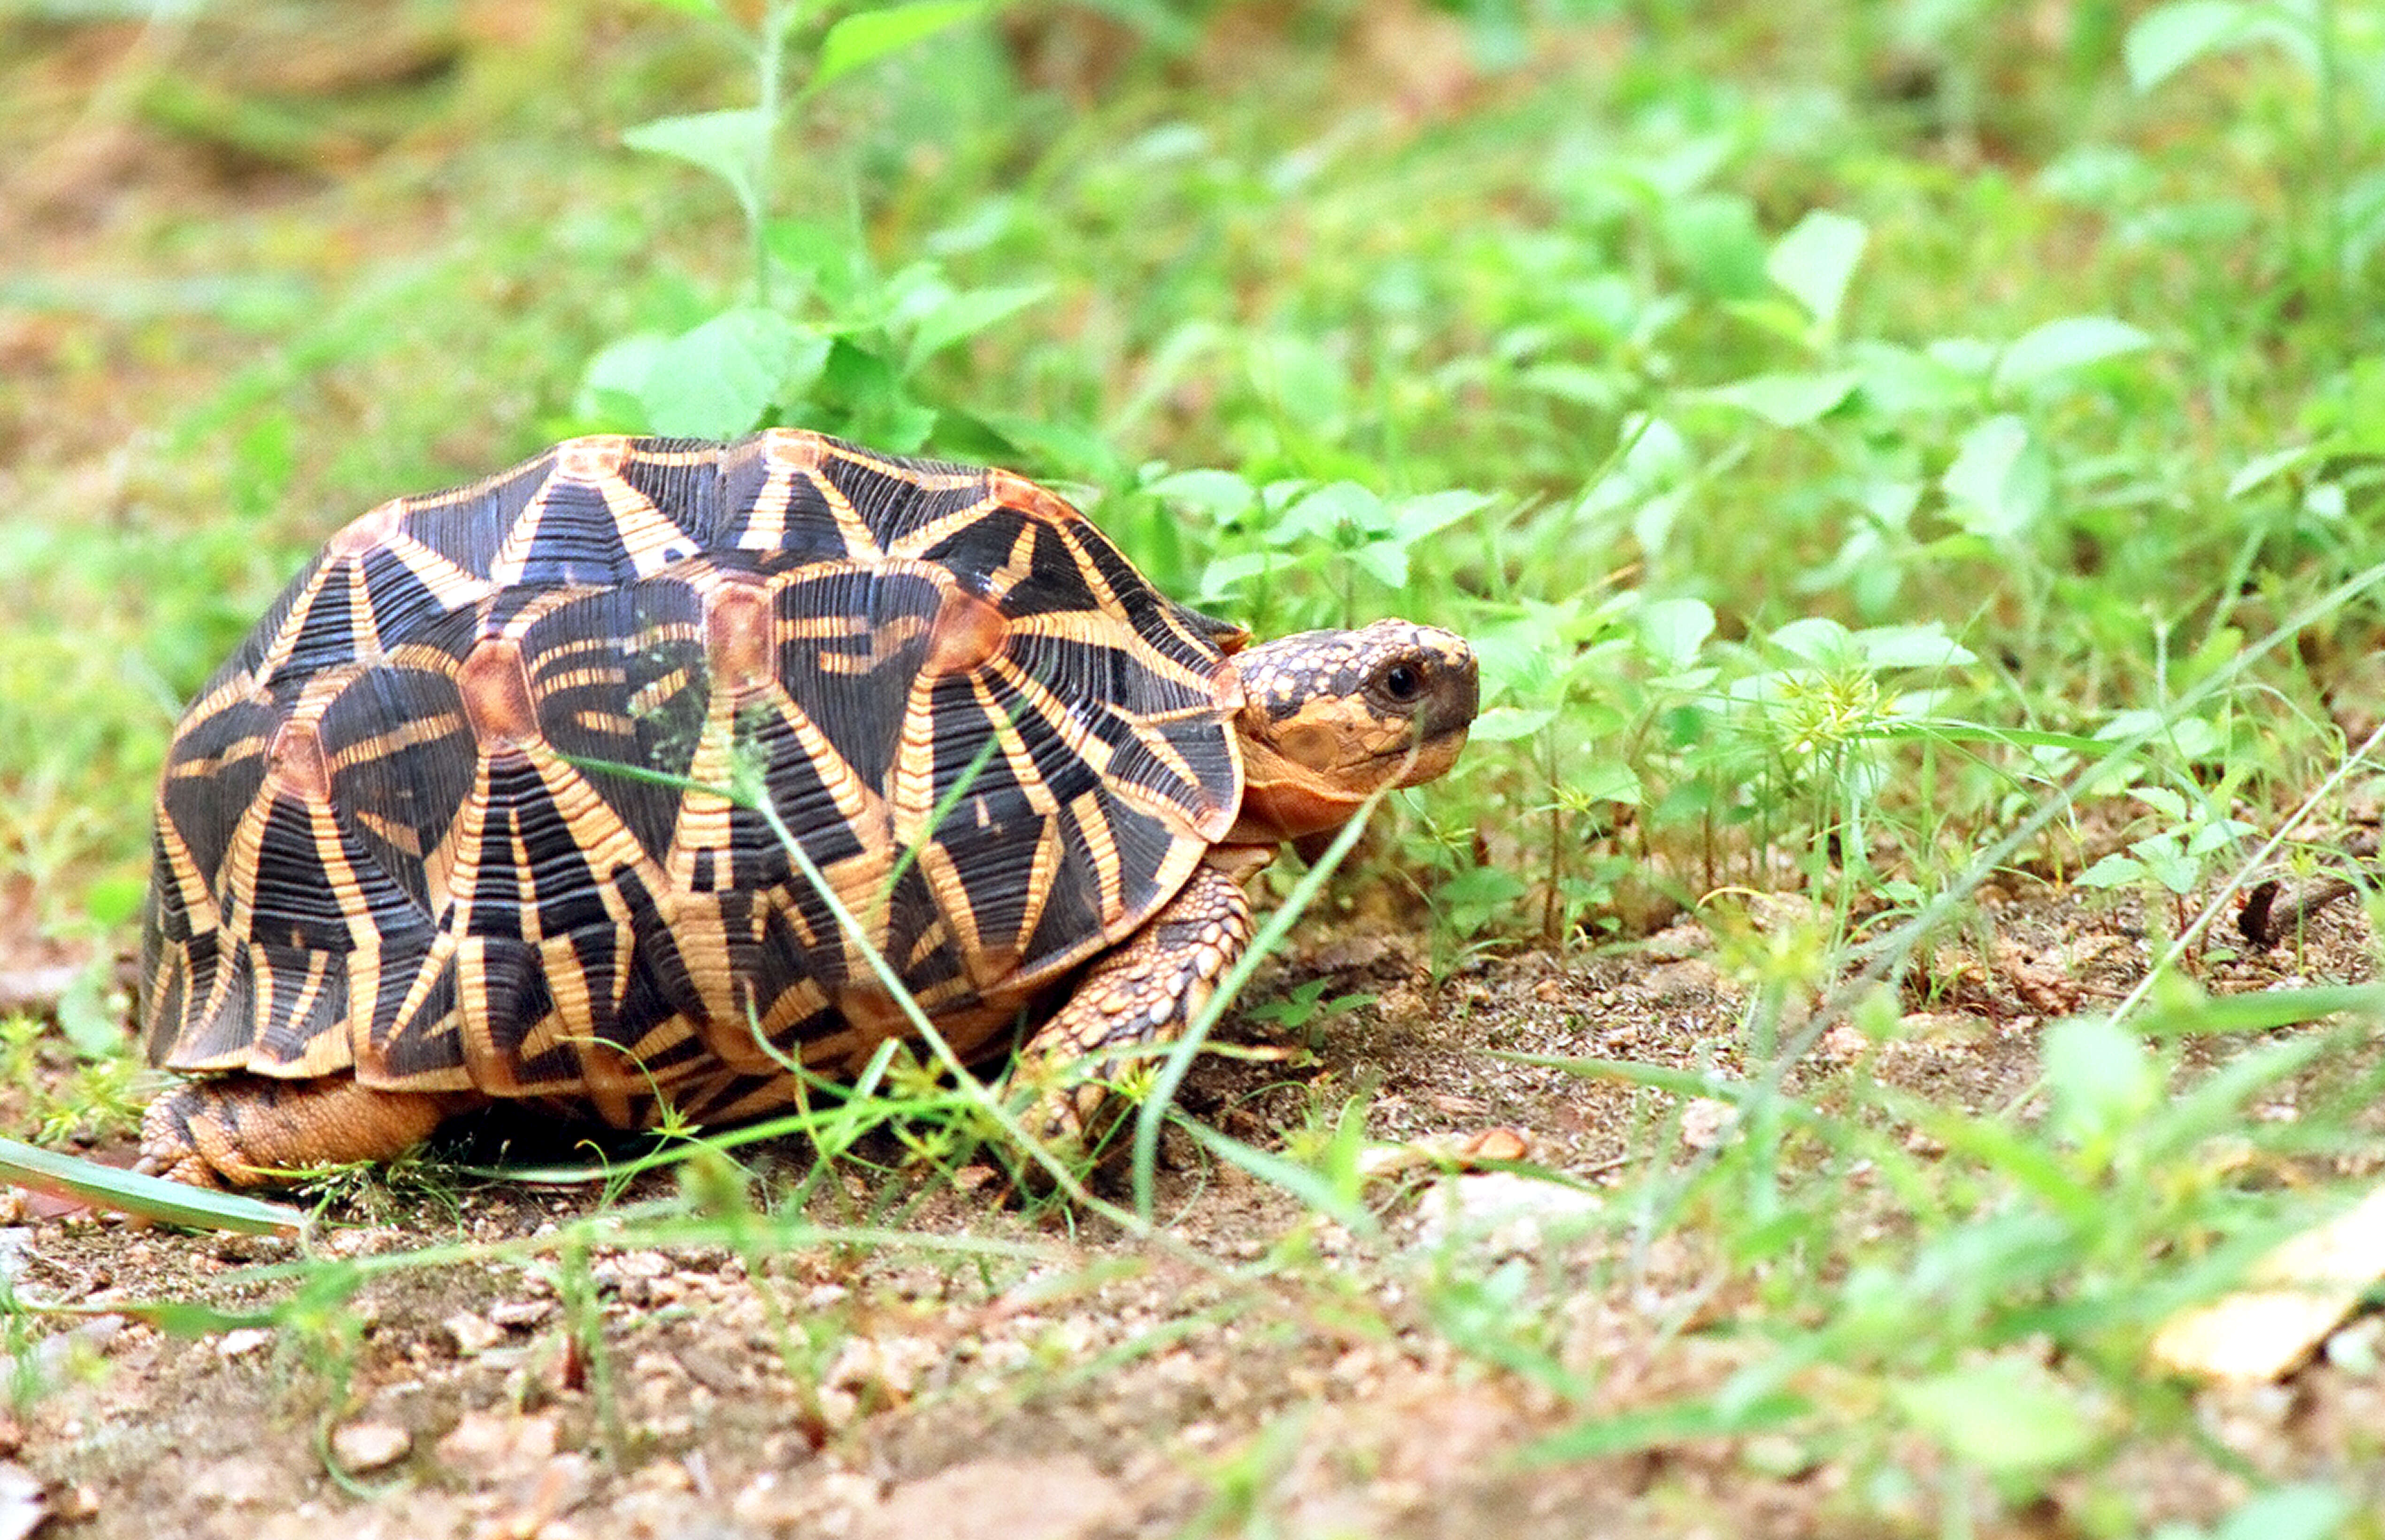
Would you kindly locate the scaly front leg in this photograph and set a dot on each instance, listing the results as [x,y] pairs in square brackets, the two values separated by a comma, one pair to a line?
[1146,991]
[235,1130]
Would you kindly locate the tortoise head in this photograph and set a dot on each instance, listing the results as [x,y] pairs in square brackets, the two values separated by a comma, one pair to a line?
[1330,716]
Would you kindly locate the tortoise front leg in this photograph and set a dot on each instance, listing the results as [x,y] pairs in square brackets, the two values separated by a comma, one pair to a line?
[234,1130]
[1145,992]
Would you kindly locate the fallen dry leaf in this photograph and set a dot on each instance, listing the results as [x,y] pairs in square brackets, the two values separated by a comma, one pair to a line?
[2294,1297]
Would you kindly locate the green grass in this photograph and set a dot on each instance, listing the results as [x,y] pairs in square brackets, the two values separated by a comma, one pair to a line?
[1871,455]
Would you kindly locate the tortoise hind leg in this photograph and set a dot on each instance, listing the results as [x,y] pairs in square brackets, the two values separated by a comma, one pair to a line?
[1146,991]
[239,1130]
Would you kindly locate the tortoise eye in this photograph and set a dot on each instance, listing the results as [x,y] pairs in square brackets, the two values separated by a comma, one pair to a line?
[1403,682]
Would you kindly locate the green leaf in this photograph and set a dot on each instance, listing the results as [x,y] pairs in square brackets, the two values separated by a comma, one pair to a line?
[2163,857]
[2263,469]
[1815,638]
[2000,483]
[612,388]
[1673,630]
[2105,1083]
[1668,1423]
[1504,724]
[2007,1417]
[114,900]
[1815,260]
[1332,513]
[1610,781]
[869,36]
[2218,834]
[728,144]
[2059,346]
[2112,871]
[2165,800]
[1226,573]
[1431,512]
[719,379]
[1223,495]
[2306,1511]
[84,1016]
[1926,646]
[1385,562]
[1787,400]
[2168,38]
[1719,243]
[967,313]
[152,1197]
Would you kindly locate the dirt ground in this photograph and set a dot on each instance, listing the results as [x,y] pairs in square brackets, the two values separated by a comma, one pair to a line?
[1075,1385]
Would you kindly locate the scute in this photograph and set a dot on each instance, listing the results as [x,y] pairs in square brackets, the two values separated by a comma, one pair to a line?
[1002,748]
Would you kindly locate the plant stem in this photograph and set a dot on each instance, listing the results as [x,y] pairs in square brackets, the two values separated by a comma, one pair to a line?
[2332,161]
[771,67]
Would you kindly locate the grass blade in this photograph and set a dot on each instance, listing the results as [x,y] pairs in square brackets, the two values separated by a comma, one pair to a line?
[151,1197]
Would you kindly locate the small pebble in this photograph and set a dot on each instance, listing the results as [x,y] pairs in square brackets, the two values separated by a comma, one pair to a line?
[242,1343]
[365,1446]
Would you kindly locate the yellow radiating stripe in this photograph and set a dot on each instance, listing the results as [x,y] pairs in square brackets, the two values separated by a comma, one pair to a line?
[705,818]
[859,544]
[402,735]
[959,915]
[525,883]
[786,454]
[585,677]
[231,691]
[795,1004]
[699,929]
[450,585]
[1073,730]
[818,628]
[1162,751]
[1048,851]
[925,538]
[605,723]
[365,966]
[189,882]
[404,837]
[1014,748]
[604,840]
[364,625]
[568,981]
[938,934]
[1104,594]
[911,790]
[255,747]
[236,878]
[277,652]
[647,534]
[452,868]
[559,654]
[514,552]
[1100,846]
[370,1037]
[649,697]
[901,471]
[1089,627]
[1016,567]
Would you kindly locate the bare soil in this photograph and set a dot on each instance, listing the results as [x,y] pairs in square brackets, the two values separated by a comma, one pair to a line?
[1101,1386]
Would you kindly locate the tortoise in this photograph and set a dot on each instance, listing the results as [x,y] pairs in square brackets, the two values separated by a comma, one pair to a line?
[449,828]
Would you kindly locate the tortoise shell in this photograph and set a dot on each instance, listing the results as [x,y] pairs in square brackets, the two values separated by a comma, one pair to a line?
[451,817]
